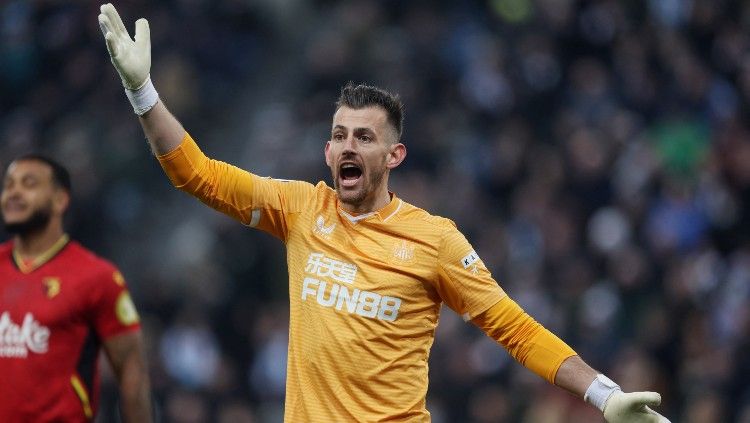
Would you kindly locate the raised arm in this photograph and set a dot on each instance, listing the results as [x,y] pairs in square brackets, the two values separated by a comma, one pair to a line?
[257,202]
[219,185]
[132,59]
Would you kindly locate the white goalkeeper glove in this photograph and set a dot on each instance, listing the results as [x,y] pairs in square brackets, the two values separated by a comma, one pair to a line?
[622,407]
[132,59]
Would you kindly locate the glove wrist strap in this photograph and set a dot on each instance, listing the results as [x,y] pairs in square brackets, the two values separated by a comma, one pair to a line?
[144,98]
[600,390]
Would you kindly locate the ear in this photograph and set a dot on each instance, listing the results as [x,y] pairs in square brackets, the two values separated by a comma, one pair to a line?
[396,155]
[328,153]
[60,201]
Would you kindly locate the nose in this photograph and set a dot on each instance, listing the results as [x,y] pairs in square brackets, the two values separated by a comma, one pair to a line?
[350,145]
[10,191]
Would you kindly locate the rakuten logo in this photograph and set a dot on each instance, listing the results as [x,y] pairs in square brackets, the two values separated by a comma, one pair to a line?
[17,341]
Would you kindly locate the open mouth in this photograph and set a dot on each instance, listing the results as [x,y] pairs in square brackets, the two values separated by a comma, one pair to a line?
[349,174]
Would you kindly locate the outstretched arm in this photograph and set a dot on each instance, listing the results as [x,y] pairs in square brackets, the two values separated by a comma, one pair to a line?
[575,376]
[132,60]
[580,379]
[545,354]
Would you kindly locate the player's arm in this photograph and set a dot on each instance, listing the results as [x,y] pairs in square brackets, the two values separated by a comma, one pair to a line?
[163,131]
[132,60]
[256,202]
[548,356]
[126,356]
[186,166]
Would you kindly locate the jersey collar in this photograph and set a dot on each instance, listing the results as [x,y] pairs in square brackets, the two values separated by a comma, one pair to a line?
[28,267]
[383,214]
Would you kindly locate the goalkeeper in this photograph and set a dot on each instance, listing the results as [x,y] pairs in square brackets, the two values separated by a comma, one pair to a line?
[368,272]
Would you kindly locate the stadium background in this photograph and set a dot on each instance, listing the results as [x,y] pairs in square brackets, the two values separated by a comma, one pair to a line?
[597,155]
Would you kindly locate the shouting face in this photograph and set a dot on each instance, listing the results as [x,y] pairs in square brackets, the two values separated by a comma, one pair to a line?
[362,150]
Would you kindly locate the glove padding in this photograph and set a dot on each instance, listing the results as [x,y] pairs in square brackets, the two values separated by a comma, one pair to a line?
[633,407]
[132,59]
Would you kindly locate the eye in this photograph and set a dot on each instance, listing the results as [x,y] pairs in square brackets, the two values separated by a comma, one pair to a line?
[338,136]
[365,138]
[29,182]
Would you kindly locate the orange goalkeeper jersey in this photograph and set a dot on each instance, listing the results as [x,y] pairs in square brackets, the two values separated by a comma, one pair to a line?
[364,291]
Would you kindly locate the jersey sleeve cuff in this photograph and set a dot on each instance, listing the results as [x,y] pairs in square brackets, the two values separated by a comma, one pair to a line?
[182,163]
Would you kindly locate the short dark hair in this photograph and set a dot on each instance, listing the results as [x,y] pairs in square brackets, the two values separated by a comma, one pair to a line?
[60,175]
[360,96]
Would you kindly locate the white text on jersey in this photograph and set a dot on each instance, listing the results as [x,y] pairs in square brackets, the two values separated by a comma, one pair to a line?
[17,341]
[364,303]
[322,266]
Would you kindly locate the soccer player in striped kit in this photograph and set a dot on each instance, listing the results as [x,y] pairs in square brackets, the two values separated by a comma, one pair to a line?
[368,271]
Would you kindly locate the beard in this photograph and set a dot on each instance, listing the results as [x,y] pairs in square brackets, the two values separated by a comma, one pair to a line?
[356,198]
[35,223]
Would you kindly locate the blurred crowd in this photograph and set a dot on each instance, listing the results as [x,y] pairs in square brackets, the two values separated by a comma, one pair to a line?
[596,154]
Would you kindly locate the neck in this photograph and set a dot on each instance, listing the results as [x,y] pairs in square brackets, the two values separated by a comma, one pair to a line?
[33,244]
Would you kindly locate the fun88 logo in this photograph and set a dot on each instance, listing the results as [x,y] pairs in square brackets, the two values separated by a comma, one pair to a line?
[364,303]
